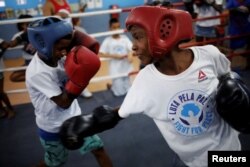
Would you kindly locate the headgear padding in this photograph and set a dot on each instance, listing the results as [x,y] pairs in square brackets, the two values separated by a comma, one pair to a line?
[165,27]
[44,33]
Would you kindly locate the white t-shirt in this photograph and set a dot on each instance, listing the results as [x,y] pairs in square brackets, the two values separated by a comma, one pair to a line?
[207,11]
[183,106]
[44,82]
[121,46]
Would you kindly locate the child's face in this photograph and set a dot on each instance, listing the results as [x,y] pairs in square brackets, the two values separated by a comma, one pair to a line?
[25,26]
[115,26]
[140,45]
[60,49]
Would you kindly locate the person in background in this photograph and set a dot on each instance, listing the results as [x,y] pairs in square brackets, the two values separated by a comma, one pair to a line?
[119,49]
[8,110]
[239,24]
[21,38]
[189,6]
[62,67]
[52,7]
[206,29]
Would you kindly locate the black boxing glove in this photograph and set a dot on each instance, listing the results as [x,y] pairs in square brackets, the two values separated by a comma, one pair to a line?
[71,129]
[233,102]
[76,128]
[105,118]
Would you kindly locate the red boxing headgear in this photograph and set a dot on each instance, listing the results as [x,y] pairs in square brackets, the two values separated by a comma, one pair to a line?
[165,27]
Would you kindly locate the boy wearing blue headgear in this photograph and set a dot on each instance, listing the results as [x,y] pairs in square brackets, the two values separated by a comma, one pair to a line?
[65,62]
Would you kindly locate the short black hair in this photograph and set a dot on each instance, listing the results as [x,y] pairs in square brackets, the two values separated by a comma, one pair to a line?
[165,3]
[113,20]
[22,16]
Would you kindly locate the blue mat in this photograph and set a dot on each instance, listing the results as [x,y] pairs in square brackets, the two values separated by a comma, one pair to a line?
[134,142]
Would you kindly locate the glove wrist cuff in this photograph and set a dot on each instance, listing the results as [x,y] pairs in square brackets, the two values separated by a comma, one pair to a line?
[72,88]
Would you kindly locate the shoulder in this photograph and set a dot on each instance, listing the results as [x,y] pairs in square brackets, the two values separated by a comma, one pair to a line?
[17,34]
[123,36]
[207,53]
[48,3]
[206,49]
[48,8]
[107,39]
[144,76]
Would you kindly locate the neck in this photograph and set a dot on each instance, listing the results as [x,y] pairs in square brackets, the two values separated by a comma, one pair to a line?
[49,62]
[175,62]
[116,36]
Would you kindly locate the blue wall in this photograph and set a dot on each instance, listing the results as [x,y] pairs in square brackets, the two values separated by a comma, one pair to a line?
[106,3]
[92,24]
[13,4]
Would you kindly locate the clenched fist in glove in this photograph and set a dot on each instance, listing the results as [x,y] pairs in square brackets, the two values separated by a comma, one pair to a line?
[233,102]
[76,128]
[81,65]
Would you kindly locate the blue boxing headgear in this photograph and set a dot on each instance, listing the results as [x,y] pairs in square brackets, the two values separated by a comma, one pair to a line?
[44,33]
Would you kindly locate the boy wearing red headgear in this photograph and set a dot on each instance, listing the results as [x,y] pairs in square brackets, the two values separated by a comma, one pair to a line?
[182,90]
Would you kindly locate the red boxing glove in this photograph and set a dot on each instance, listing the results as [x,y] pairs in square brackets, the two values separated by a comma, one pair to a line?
[88,41]
[81,65]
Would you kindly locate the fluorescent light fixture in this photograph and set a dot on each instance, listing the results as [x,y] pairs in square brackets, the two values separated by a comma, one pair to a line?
[2,3]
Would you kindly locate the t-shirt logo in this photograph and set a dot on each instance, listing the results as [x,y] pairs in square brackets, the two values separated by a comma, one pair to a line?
[191,112]
[202,76]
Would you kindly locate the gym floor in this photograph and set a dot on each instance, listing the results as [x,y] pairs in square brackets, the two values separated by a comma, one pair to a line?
[134,142]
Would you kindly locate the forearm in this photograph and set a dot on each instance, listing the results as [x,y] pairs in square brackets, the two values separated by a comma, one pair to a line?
[107,55]
[217,7]
[19,39]
[64,100]
[47,9]
[14,42]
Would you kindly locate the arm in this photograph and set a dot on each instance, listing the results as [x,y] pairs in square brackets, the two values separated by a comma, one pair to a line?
[216,4]
[75,129]
[3,46]
[19,39]
[232,8]
[81,65]
[217,7]
[112,56]
[105,50]
[63,100]
[48,9]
